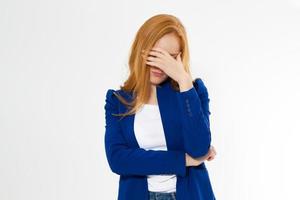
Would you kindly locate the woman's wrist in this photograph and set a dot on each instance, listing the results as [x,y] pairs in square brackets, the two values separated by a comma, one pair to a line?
[185,83]
[188,160]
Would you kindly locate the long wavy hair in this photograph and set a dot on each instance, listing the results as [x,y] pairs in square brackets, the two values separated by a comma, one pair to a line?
[138,82]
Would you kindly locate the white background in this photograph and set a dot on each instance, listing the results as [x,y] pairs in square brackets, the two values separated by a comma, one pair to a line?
[59,57]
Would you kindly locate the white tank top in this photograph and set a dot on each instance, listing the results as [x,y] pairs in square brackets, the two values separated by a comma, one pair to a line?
[149,133]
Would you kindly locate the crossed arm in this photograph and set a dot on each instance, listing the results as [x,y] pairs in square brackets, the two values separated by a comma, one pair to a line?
[125,160]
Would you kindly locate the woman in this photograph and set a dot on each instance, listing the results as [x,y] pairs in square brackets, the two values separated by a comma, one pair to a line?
[157,133]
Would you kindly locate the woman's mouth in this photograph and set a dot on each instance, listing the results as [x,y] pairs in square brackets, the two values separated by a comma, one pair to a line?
[157,74]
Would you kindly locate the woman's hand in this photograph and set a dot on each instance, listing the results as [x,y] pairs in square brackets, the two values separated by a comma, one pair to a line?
[190,161]
[173,67]
[211,153]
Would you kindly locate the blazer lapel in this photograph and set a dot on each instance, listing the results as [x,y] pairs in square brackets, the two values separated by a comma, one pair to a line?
[165,98]
[166,104]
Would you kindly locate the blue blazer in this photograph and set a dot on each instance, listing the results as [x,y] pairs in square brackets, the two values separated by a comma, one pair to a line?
[185,118]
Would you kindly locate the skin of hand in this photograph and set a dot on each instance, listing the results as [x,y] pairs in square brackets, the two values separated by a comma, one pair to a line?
[212,153]
[174,68]
[190,161]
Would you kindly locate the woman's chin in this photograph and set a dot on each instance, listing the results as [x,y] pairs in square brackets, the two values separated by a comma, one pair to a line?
[157,80]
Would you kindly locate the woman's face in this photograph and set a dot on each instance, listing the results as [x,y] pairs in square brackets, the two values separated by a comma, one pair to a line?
[170,43]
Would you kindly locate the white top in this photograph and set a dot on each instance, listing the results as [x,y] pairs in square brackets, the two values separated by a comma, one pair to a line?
[149,133]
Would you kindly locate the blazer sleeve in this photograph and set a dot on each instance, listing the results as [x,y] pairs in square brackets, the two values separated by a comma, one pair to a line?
[194,107]
[126,160]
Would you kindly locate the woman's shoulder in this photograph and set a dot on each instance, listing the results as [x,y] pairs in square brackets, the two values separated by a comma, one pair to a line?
[113,94]
[111,91]
[110,100]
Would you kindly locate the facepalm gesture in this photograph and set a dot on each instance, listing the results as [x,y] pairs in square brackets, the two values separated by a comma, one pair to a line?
[173,67]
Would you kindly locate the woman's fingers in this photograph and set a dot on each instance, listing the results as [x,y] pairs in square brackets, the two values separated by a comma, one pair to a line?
[160,50]
[156,64]
[212,153]
[156,58]
[211,158]
[156,54]
[152,58]
[214,150]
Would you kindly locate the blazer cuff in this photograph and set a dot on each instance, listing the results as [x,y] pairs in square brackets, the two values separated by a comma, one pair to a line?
[189,93]
[181,166]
